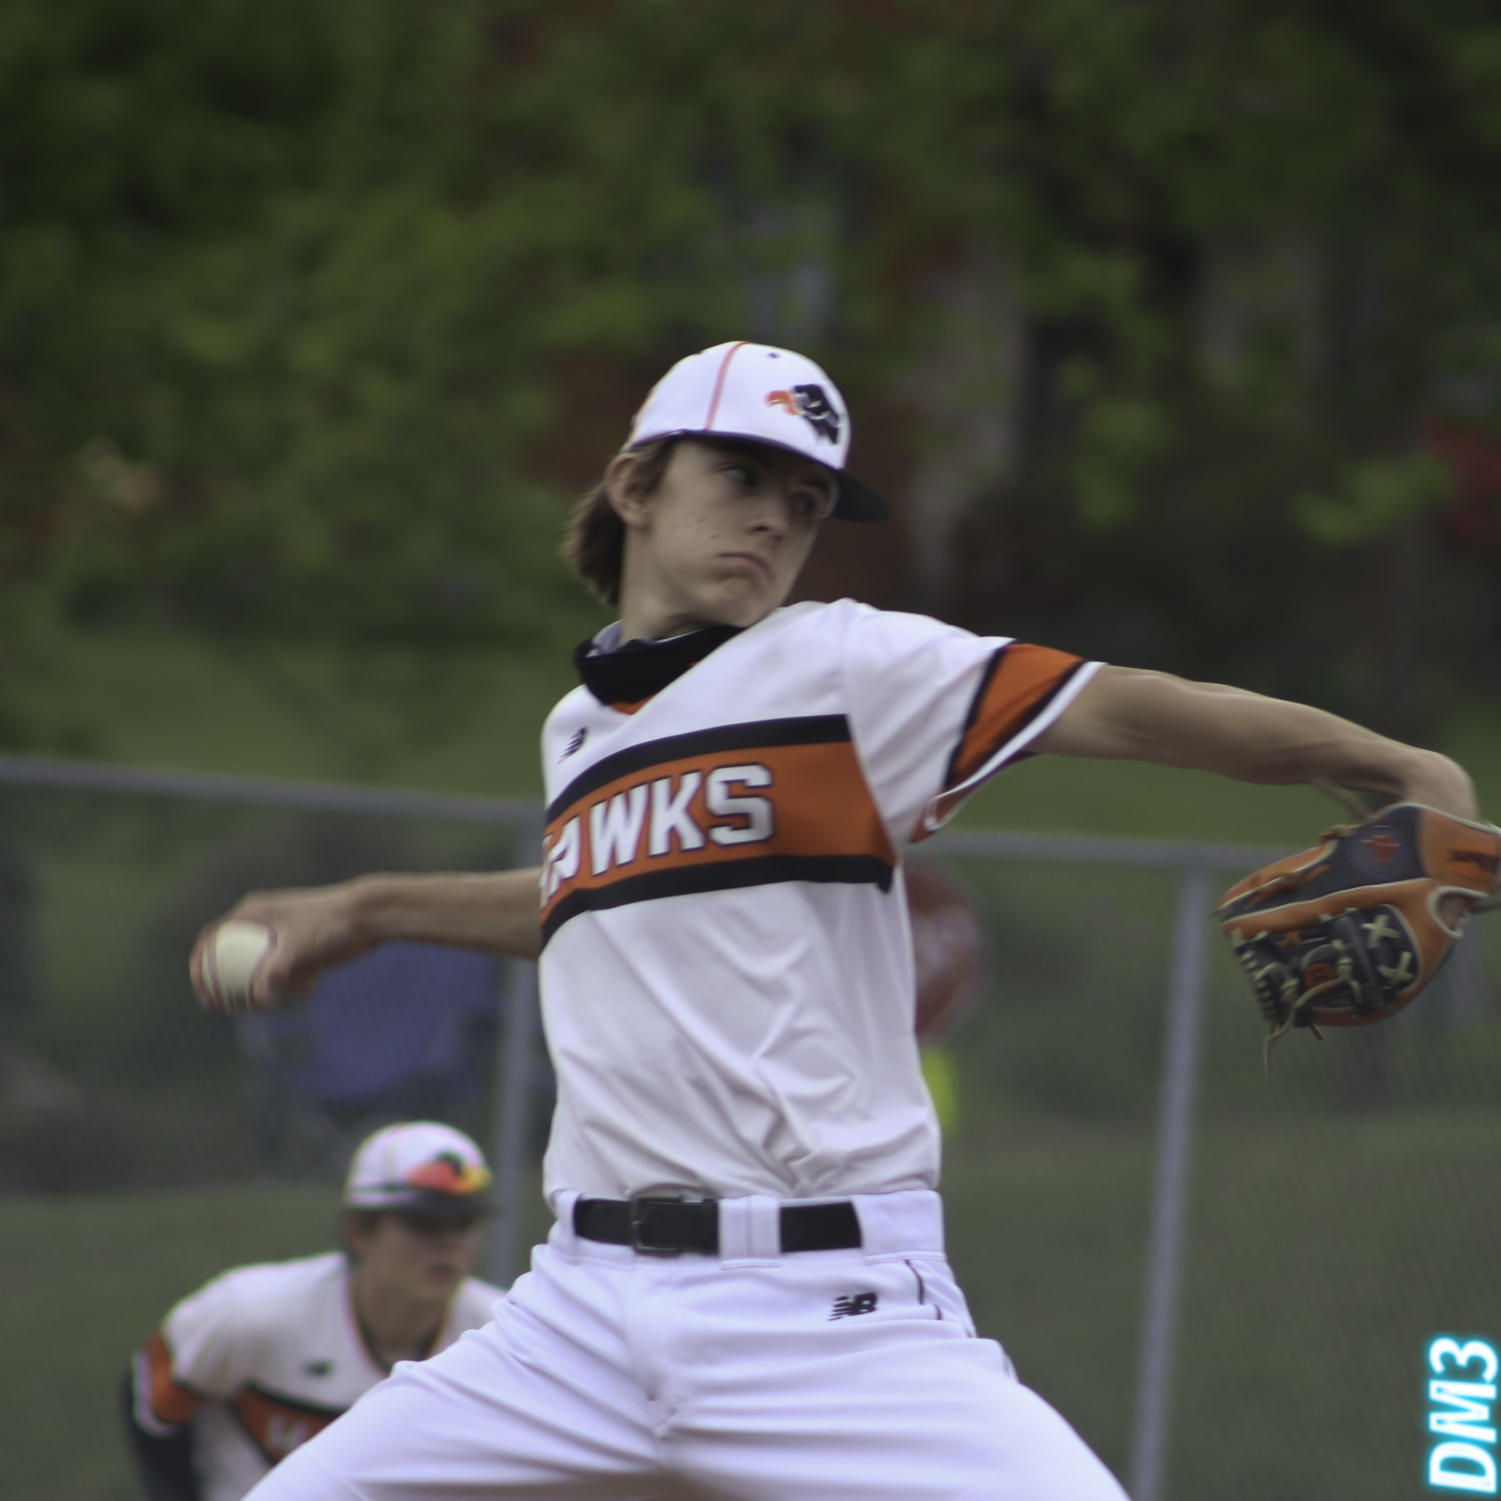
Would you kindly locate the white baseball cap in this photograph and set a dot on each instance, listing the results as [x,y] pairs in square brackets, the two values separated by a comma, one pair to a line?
[418,1165]
[763,395]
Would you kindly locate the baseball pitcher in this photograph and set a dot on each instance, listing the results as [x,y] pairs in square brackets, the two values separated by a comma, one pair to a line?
[744,1295]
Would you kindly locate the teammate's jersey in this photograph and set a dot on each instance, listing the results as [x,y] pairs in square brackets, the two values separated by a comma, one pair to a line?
[263,1357]
[726,968]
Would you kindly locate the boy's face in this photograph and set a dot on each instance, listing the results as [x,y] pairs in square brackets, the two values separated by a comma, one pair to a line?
[414,1257]
[722,539]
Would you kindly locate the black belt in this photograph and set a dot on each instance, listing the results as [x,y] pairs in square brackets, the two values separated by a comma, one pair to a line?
[668,1227]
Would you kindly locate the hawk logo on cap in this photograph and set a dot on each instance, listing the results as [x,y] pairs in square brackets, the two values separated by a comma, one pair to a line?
[810,403]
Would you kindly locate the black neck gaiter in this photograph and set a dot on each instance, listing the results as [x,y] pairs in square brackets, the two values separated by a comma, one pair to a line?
[637,670]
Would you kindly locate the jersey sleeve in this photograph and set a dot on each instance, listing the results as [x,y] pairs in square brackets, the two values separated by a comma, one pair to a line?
[936,711]
[206,1347]
[163,1452]
[161,1402]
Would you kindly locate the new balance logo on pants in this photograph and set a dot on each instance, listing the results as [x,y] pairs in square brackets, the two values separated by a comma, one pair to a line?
[850,1304]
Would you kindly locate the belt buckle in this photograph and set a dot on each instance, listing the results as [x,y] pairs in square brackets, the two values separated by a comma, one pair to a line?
[645,1201]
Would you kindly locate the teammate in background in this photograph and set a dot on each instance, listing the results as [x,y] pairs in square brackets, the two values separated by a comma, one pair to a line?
[263,1357]
[745,1293]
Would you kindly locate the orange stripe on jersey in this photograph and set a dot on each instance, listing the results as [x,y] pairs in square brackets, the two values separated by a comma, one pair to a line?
[170,1400]
[1019,683]
[277,1425]
[1017,688]
[711,811]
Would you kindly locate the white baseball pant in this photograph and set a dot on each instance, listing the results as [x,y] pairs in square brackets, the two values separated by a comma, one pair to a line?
[753,1375]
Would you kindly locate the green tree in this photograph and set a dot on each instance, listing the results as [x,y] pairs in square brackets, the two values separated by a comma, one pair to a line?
[312,315]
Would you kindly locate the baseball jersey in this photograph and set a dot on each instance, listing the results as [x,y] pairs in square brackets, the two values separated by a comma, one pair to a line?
[261,1358]
[726,969]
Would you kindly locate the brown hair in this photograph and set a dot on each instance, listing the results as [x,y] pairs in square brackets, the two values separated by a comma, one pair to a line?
[348,1220]
[594,544]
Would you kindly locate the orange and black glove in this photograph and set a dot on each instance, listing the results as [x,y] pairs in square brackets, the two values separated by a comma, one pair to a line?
[1348,932]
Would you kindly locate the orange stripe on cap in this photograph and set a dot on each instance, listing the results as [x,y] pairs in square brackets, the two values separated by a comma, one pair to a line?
[719,380]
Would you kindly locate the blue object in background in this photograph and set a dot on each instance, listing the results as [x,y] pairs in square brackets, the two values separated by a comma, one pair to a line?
[407,1031]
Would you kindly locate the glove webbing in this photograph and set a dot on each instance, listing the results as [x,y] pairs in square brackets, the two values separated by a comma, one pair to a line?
[1286,1000]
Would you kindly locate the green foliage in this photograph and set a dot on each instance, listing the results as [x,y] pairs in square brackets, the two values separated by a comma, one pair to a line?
[1381,495]
[313,314]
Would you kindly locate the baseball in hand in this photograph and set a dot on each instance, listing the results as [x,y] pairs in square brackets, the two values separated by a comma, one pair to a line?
[231,960]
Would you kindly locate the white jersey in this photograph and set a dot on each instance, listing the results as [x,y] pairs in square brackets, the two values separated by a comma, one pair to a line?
[263,1357]
[726,972]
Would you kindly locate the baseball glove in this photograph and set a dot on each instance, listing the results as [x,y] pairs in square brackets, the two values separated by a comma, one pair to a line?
[1348,932]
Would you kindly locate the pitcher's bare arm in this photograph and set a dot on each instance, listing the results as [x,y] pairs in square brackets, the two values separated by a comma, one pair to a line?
[1127,713]
[316,927]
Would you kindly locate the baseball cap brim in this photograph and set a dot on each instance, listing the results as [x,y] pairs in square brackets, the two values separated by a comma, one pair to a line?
[854,501]
[858,502]
[436,1203]
[422,1202]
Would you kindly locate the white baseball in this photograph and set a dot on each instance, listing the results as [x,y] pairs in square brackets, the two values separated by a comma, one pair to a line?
[232,960]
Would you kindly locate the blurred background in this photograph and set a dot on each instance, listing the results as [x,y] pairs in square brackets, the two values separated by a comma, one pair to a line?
[1173,333]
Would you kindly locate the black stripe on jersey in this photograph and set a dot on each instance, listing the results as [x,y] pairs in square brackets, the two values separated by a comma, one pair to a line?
[725,875]
[759,734]
[951,771]
[295,1404]
[322,1415]
[1042,704]
[1037,709]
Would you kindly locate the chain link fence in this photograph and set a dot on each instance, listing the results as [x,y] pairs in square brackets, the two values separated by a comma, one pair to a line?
[1226,1283]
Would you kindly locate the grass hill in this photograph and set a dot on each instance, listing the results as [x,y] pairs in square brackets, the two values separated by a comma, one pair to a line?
[468,723]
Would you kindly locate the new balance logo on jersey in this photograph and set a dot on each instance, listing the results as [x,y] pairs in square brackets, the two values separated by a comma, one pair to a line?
[576,744]
[850,1304]
[318,1368]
